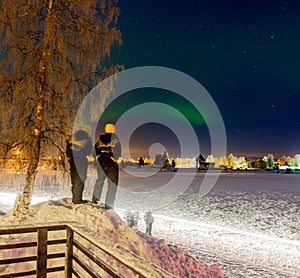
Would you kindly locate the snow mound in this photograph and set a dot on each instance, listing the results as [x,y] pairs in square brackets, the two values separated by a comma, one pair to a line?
[110,226]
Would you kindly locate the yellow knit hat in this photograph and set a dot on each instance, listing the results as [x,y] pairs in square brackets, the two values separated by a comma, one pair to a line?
[109,128]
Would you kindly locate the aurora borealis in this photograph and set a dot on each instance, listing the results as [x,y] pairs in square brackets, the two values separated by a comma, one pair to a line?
[245,53]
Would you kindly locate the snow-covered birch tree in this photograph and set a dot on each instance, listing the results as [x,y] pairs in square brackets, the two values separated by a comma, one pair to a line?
[51,56]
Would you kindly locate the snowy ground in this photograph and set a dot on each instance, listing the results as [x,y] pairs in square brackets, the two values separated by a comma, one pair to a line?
[249,223]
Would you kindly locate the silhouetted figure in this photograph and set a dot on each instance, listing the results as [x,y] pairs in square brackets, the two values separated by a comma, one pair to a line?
[173,163]
[141,161]
[149,221]
[136,217]
[108,149]
[129,218]
[78,148]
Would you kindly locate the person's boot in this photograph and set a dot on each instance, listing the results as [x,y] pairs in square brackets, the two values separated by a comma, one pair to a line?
[107,207]
[79,201]
[94,200]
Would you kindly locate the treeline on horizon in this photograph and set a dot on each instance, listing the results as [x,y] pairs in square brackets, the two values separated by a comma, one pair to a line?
[228,162]
[19,162]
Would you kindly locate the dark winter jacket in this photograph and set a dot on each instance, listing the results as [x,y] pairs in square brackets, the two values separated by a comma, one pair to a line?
[108,147]
[80,146]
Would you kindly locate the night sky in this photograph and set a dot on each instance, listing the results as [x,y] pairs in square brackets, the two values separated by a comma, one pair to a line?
[245,53]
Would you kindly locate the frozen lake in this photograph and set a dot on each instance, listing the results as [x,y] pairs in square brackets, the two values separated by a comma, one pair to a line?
[248,222]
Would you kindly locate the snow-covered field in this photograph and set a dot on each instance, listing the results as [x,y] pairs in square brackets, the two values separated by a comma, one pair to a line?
[249,223]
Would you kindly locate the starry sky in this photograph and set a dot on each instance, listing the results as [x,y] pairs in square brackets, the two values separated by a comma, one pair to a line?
[245,53]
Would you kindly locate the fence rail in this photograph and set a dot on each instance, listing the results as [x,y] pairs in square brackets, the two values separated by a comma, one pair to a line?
[85,262]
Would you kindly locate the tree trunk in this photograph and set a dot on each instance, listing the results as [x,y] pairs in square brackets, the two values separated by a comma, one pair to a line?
[23,201]
[32,168]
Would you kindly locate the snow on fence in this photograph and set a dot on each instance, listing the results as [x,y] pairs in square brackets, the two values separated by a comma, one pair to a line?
[74,252]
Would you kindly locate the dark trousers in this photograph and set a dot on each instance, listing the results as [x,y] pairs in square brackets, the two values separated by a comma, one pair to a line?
[112,175]
[148,228]
[78,174]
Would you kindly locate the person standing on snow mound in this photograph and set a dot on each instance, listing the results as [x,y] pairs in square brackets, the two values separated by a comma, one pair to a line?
[78,148]
[108,149]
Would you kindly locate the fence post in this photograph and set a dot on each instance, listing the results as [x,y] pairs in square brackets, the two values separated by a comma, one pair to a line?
[69,254]
[42,252]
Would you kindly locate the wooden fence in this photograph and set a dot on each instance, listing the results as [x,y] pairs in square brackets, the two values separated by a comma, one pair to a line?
[79,255]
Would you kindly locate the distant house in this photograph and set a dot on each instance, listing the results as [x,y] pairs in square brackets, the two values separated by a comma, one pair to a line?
[205,165]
